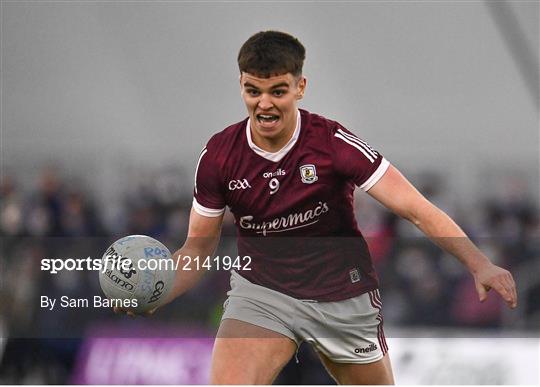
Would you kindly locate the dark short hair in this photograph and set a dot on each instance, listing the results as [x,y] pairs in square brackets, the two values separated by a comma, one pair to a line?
[269,53]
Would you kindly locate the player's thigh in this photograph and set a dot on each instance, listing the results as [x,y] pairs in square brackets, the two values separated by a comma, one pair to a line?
[378,372]
[248,354]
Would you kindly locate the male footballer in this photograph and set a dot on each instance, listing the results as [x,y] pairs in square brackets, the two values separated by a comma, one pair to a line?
[288,177]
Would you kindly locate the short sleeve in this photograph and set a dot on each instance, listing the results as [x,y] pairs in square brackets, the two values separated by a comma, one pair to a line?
[356,159]
[208,198]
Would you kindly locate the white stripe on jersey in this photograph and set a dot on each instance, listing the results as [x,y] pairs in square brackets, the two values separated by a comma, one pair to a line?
[197,169]
[205,211]
[358,139]
[376,176]
[368,155]
[363,144]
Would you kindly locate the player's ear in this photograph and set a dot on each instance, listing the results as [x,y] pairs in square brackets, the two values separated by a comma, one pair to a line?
[301,87]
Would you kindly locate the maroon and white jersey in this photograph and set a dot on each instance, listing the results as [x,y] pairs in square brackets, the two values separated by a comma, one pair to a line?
[294,208]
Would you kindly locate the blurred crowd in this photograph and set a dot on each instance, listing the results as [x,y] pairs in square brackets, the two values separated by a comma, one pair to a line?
[420,285]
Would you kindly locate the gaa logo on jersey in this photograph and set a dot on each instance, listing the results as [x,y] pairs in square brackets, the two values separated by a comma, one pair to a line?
[308,173]
[238,184]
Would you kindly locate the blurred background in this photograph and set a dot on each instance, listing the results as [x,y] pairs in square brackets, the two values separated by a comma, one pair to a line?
[105,107]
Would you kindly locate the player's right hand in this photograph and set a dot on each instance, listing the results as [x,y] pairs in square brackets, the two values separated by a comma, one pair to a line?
[490,276]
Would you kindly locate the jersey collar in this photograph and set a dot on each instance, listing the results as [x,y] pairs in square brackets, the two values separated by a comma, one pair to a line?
[274,156]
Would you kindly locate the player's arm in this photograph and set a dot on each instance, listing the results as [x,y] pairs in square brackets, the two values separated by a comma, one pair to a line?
[202,240]
[396,193]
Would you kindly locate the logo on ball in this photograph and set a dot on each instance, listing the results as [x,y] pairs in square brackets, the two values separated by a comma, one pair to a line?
[158,291]
[141,270]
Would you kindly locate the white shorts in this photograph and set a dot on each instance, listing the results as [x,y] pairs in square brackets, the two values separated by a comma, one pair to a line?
[348,331]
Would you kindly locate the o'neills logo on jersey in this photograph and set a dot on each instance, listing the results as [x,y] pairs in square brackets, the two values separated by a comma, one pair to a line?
[285,223]
[279,172]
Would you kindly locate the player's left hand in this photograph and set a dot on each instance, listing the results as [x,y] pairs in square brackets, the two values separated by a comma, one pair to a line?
[490,276]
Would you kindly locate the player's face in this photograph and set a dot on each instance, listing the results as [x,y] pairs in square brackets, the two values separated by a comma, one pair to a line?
[271,104]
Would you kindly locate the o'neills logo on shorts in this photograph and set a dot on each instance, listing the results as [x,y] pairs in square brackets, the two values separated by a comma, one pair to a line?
[372,347]
[285,223]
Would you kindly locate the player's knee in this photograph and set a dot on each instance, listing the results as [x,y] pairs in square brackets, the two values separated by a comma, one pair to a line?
[254,373]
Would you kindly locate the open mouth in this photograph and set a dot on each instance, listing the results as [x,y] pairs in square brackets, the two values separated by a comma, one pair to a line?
[267,118]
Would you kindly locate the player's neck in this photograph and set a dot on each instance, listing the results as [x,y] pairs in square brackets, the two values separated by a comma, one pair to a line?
[271,145]
[274,144]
